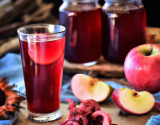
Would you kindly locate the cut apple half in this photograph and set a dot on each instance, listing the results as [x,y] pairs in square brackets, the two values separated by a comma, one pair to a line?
[85,87]
[133,102]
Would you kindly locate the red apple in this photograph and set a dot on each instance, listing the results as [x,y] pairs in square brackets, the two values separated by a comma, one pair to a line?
[133,102]
[142,68]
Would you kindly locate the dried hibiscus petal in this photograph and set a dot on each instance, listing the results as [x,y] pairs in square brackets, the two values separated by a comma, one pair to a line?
[73,112]
[101,117]
[71,104]
[88,113]
[89,106]
[82,120]
[72,123]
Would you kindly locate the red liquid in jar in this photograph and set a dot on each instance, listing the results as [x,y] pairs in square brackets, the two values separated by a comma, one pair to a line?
[43,69]
[122,33]
[83,35]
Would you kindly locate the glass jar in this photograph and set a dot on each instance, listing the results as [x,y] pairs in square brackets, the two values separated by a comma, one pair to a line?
[123,28]
[82,19]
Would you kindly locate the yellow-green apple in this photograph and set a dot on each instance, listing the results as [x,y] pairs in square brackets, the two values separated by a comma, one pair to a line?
[133,102]
[142,68]
[85,87]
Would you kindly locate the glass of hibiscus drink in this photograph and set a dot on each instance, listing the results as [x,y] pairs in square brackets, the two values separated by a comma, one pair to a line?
[42,53]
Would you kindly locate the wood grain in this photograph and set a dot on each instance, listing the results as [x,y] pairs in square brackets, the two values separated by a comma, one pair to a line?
[102,67]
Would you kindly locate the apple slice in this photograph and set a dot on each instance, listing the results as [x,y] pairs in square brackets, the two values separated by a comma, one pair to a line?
[85,87]
[133,102]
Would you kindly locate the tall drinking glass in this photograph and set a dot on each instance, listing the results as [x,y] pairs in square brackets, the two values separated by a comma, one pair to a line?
[42,53]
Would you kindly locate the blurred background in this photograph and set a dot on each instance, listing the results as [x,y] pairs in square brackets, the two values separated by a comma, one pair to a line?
[16,13]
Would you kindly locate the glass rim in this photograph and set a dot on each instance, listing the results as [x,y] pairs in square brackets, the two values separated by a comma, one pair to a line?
[40,24]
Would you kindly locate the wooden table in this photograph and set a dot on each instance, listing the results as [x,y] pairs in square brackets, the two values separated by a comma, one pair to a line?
[107,106]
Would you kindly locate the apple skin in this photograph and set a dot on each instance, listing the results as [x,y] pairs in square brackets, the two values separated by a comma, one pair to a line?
[117,101]
[142,69]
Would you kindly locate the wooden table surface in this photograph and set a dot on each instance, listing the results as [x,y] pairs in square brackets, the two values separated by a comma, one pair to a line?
[107,106]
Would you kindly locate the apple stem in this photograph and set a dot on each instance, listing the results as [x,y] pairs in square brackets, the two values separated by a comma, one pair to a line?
[157,106]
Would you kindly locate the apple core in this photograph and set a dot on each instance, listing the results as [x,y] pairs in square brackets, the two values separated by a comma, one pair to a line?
[135,94]
[149,50]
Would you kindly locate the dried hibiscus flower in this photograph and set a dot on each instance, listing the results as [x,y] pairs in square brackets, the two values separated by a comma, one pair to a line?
[9,100]
[89,113]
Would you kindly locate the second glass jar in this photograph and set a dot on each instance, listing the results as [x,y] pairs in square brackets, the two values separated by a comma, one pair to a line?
[123,28]
[82,19]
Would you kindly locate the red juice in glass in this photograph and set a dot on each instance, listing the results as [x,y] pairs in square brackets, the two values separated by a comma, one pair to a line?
[42,60]
[121,32]
[83,35]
